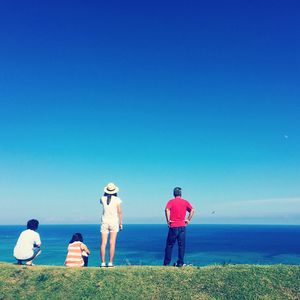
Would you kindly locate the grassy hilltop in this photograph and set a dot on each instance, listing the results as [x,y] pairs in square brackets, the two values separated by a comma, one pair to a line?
[145,282]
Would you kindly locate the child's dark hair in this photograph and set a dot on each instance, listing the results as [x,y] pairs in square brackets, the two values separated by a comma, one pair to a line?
[33,224]
[108,197]
[77,237]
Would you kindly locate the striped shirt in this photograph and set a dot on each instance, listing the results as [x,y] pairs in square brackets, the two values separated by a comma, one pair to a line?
[74,256]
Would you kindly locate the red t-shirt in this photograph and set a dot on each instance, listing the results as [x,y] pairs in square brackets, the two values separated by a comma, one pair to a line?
[178,208]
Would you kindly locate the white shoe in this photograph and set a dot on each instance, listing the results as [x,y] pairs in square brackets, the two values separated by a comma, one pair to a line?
[110,265]
[103,265]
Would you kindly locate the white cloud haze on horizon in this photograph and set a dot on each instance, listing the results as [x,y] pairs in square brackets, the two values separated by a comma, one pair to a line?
[262,211]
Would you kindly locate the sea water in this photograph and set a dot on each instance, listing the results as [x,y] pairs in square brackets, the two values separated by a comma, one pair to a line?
[144,244]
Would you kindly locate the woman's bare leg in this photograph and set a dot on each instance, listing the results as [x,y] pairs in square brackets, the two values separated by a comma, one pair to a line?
[104,237]
[112,243]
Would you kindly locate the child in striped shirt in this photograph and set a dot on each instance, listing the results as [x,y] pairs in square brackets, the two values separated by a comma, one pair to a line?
[78,252]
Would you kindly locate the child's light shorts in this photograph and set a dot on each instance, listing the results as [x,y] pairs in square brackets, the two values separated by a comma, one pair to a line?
[109,227]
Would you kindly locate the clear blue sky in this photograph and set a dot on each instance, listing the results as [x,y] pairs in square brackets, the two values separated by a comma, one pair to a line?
[150,95]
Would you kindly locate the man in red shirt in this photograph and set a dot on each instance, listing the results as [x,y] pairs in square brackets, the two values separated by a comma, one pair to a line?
[176,218]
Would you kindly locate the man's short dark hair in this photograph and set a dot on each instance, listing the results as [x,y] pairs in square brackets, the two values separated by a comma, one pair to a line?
[177,191]
[33,224]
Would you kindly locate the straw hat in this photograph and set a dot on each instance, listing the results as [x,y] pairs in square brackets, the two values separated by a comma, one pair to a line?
[111,188]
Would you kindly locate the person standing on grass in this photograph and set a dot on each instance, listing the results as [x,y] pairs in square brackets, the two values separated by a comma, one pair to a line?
[111,222]
[28,244]
[175,212]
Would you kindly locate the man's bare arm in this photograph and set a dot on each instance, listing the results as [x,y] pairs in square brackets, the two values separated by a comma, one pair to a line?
[168,216]
[191,213]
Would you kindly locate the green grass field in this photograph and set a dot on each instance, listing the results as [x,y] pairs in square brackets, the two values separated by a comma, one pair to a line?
[144,282]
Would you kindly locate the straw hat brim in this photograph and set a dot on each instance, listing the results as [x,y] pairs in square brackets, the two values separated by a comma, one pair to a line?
[110,192]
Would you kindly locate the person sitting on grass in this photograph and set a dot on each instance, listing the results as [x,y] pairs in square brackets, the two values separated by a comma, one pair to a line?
[78,252]
[28,244]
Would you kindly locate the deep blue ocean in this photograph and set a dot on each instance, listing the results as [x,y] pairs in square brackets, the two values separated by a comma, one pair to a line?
[144,244]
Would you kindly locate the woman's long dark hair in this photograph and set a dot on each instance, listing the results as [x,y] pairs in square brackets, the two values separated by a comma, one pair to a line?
[77,237]
[108,196]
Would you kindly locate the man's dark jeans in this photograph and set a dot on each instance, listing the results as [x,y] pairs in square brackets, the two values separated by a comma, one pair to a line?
[176,233]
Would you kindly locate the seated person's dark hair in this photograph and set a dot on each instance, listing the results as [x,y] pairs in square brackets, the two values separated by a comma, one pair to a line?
[177,192]
[77,237]
[33,224]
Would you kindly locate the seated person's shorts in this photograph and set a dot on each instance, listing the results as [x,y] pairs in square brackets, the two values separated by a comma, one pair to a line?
[36,251]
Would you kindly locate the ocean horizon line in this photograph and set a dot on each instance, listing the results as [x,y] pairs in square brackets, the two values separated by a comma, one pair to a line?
[157,224]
